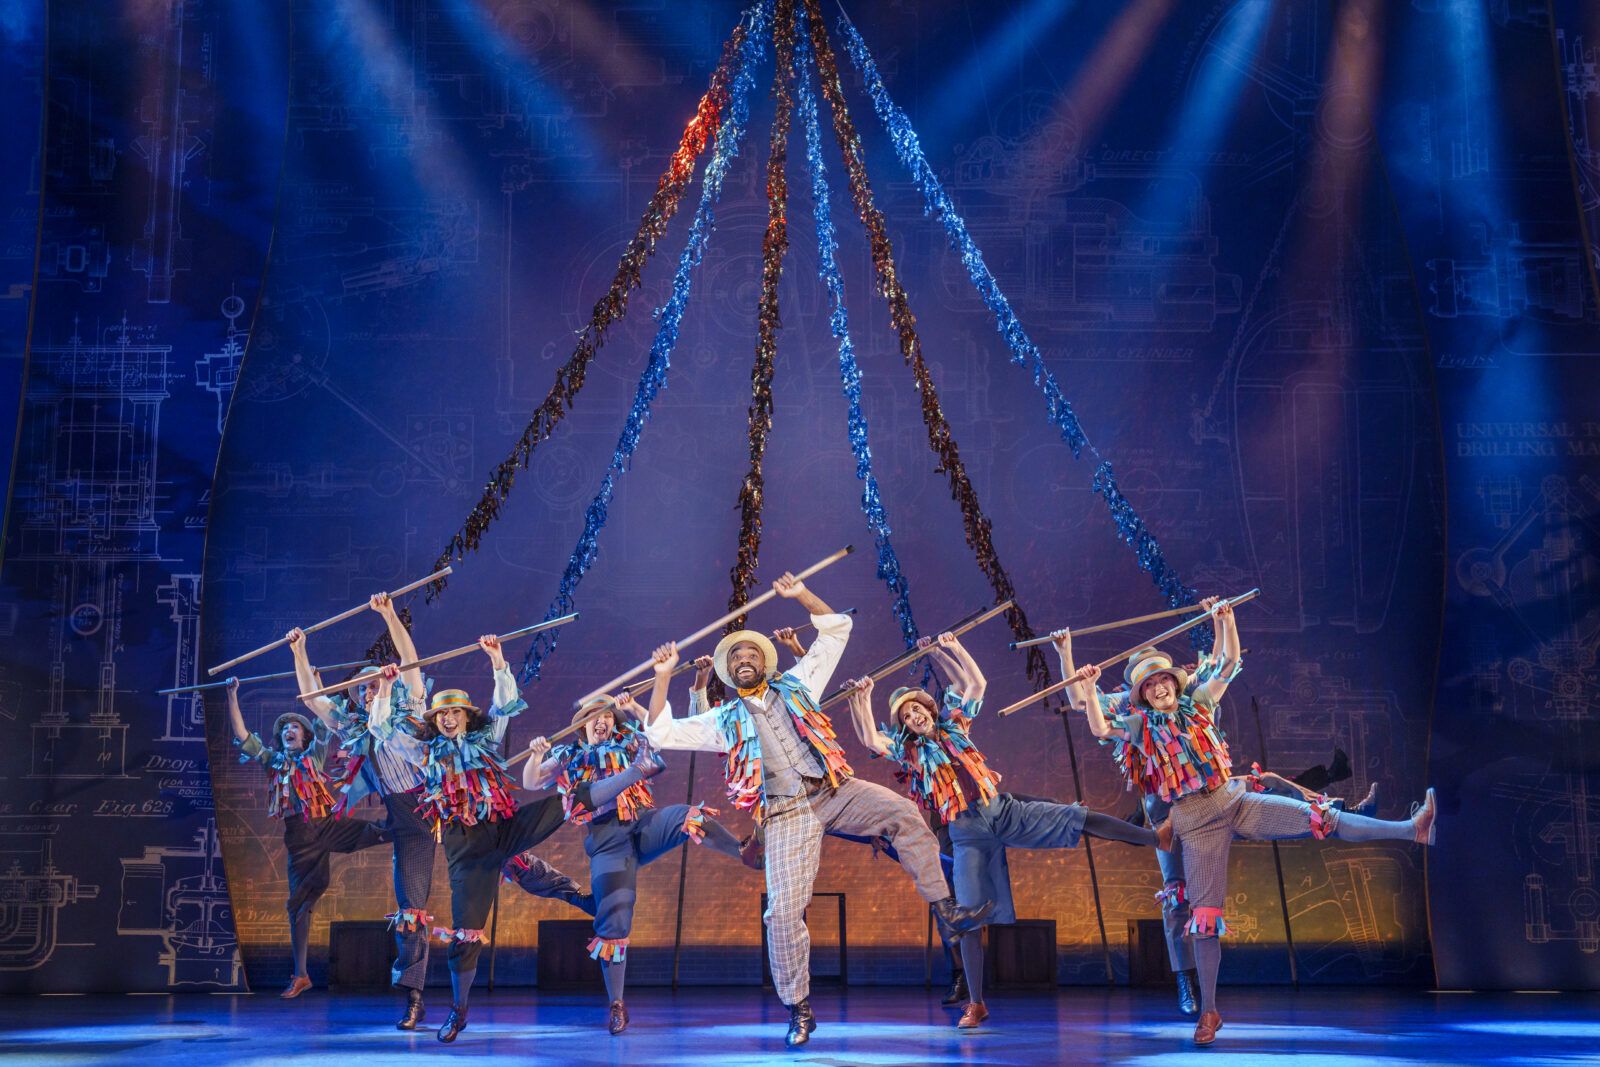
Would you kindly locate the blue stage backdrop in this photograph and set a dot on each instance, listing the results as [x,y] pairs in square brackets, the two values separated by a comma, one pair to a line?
[1315,279]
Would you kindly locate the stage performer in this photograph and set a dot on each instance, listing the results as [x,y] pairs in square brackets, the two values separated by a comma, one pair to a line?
[785,766]
[374,767]
[295,763]
[947,774]
[467,802]
[1168,745]
[625,832]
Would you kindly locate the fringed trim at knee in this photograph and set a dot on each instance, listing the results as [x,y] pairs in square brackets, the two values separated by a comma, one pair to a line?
[409,919]
[1254,779]
[609,949]
[1207,922]
[694,823]
[453,936]
[1174,896]
[1324,818]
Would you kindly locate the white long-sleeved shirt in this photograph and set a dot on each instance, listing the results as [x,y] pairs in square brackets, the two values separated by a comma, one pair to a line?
[700,732]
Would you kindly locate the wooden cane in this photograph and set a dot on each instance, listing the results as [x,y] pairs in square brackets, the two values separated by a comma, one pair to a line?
[915,654]
[260,678]
[358,609]
[439,656]
[627,676]
[1119,624]
[639,687]
[959,623]
[1077,676]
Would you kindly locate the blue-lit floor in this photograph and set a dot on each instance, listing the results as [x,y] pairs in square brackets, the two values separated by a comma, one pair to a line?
[1330,1027]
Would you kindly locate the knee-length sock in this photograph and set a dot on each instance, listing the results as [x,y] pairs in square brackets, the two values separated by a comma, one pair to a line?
[461,985]
[615,972]
[972,962]
[300,939]
[1113,829]
[1207,958]
[1353,827]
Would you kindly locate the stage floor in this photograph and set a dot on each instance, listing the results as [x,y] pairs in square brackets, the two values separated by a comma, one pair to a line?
[1330,1027]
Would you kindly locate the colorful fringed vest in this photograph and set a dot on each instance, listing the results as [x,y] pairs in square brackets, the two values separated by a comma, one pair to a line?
[465,780]
[358,742]
[298,786]
[1178,753]
[930,765]
[582,763]
[745,785]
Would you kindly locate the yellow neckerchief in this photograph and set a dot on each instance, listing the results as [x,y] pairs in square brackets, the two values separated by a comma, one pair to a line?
[757,691]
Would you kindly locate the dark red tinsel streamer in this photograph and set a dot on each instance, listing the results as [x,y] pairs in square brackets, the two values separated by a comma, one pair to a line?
[563,393]
[773,247]
[939,437]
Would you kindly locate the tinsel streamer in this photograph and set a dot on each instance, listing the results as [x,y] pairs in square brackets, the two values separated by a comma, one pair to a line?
[703,127]
[773,247]
[849,372]
[1023,351]
[940,440]
[669,316]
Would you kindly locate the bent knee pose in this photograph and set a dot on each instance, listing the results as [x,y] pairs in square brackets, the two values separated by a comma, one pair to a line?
[295,762]
[947,774]
[625,830]
[374,768]
[785,766]
[466,799]
[1168,745]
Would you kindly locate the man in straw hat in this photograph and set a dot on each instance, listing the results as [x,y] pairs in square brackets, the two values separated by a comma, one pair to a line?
[785,767]
[1168,745]
[948,775]
[467,800]
[295,762]
[376,768]
[626,831]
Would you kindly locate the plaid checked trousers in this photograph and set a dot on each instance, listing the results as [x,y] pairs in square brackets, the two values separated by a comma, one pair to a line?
[794,830]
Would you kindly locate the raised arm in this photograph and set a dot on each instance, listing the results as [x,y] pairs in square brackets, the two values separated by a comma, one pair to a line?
[383,698]
[947,663]
[505,687]
[1084,694]
[540,772]
[404,647]
[666,657]
[973,682]
[235,716]
[1228,640]
[861,719]
[699,702]
[786,637]
[309,679]
[833,633]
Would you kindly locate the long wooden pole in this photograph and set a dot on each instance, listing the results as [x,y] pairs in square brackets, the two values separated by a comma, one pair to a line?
[639,687]
[1119,657]
[259,678]
[628,676]
[914,654]
[439,656]
[358,609]
[1119,624]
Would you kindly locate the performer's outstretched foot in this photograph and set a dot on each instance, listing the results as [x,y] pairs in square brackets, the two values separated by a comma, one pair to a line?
[1339,769]
[619,1017]
[801,1023]
[959,920]
[649,761]
[975,1014]
[1369,805]
[957,991]
[453,1025]
[752,854]
[1188,992]
[414,1011]
[1205,1031]
[297,985]
[1422,821]
[1164,835]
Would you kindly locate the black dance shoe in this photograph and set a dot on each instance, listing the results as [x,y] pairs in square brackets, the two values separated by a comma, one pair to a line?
[453,1025]
[1189,992]
[801,1023]
[415,1012]
[958,990]
[958,920]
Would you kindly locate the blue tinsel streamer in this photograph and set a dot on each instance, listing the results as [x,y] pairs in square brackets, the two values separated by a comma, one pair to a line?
[655,372]
[849,372]
[1023,351]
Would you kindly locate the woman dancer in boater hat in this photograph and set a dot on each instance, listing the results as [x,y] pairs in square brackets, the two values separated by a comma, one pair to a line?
[1167,744]
[626,832]
[785,766]
[947,774]
[299,796]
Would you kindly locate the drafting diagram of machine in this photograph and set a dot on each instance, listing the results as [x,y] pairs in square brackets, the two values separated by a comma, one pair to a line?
[181,896]
[32,894]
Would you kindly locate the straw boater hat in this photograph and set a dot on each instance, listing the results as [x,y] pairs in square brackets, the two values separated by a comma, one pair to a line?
[898,698]
[719,658]
[448,698]
[1147,662]
[290,716]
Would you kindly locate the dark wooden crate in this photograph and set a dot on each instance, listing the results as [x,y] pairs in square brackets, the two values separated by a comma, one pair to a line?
[1148,964]
[1022,955]
[564,962]
[360,954]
